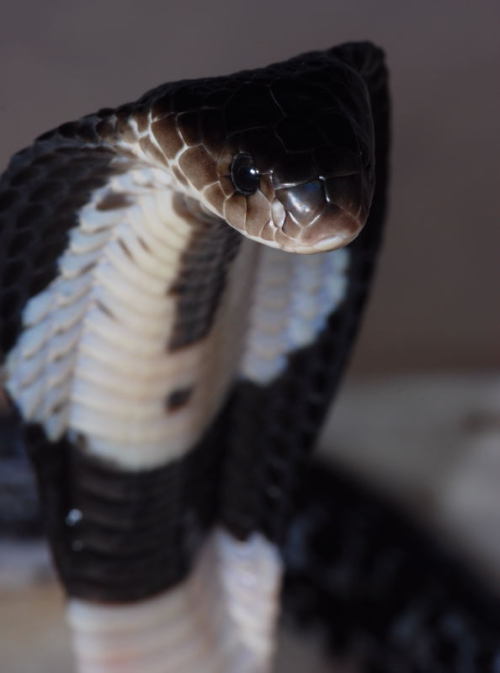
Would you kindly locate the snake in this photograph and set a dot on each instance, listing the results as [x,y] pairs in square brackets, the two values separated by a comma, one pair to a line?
[181,282]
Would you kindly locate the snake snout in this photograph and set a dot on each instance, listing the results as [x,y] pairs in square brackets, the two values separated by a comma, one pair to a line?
[323,214]
[335,228]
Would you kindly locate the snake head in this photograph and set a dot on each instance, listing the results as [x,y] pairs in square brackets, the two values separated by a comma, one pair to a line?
[283,154]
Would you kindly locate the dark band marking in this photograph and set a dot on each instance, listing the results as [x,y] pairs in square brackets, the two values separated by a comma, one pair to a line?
[201,279]
[118,535]
[179,398]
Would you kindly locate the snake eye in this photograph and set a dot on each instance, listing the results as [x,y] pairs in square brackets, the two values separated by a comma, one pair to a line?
[244,174]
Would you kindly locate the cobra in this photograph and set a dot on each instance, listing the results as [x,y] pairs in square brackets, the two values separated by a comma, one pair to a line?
[182,280]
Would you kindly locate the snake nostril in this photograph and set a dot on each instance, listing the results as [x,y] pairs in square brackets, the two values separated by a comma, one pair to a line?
[304,202]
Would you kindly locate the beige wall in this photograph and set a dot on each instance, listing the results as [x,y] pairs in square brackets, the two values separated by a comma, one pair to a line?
[437,296]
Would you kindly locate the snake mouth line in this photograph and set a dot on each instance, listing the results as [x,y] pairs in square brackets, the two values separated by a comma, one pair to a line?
[326,244]
[302,246]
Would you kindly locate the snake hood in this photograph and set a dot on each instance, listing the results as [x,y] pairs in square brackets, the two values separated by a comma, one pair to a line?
[171,377]
[284,154]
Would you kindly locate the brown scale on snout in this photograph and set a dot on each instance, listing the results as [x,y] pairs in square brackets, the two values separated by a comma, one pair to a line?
[283,154]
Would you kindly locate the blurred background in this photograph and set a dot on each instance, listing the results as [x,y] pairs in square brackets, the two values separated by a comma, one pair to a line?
[420,412]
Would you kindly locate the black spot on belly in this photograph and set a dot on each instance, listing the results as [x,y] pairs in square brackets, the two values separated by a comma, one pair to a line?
[179,398]
[202,275]
[113,201]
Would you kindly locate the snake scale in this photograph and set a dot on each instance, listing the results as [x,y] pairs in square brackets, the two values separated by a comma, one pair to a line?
[182,280]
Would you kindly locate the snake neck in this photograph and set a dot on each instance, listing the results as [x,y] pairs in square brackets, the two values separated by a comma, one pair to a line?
[142,294]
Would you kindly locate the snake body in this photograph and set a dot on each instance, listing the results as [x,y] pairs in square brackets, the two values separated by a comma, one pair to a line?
[177,306]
